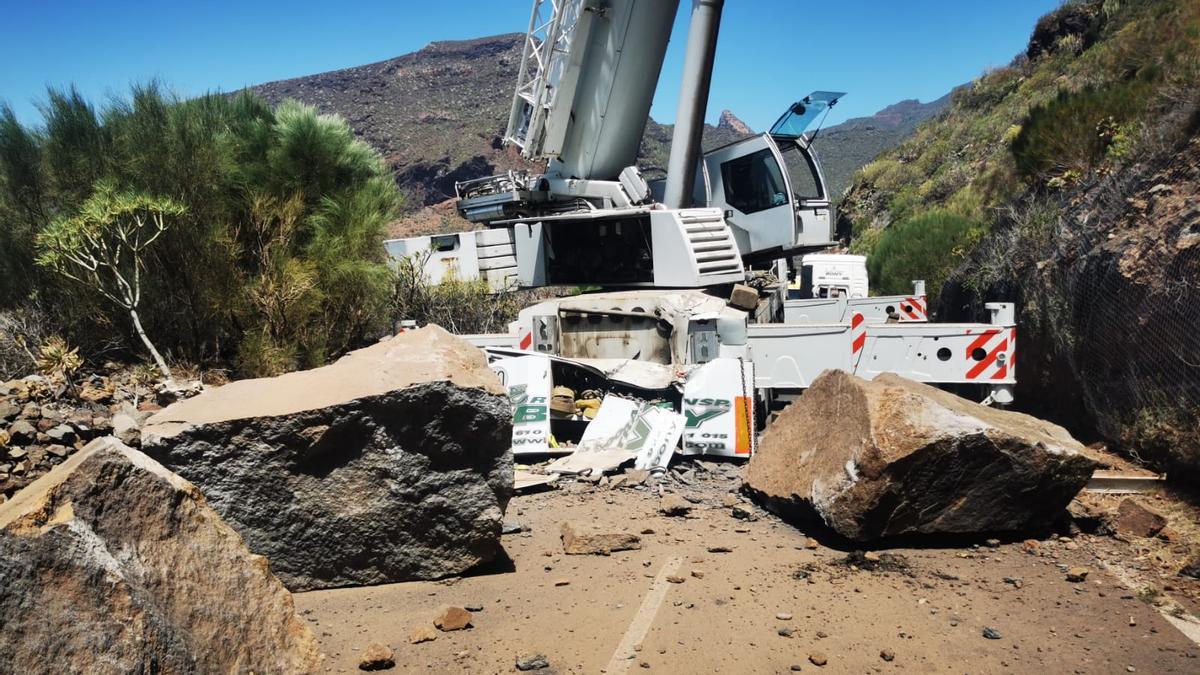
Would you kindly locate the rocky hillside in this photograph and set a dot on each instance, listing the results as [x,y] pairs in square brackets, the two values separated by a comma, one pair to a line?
[437,116]
[847,147]
[1067,183]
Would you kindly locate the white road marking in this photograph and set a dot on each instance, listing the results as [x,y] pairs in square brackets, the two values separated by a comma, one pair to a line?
[640,624]
[1186,624]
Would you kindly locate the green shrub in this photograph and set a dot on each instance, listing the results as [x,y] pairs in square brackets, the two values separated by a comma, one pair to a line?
[1075,130]
[928,246]
[277,262]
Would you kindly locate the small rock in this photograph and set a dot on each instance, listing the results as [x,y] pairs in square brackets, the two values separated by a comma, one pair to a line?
[532,662]
[511,527]
[675,580]
[1192,569]
[562,582]
[635,477]
[730,500]
[126,428]
[991,633]
[810,544]
[783,616]
[452,618]
[698,574]
[22,432]
[784,632]
[62,434]
[871,556]
[422,633]
[1077,574]
[818,658]
[993,543]
[578,539]
[8,411]
[719,549]
[742,512]
[377,657]
[674,505]
[473,606]
[796,667]
[887,655]
[58,450]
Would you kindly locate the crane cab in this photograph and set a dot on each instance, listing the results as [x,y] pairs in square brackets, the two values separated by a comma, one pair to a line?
[771,187]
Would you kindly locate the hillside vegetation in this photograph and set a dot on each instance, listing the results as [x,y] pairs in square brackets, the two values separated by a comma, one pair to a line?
[269,254]
[1066,182]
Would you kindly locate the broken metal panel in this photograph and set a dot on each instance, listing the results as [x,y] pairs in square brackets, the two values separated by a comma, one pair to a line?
[528,382]
[1113,483]
[526,480]
[624,430]
[718,407]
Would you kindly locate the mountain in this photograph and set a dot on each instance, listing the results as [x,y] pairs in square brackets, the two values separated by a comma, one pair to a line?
[849,146]
[730,122]
[437,116]
[1067,183]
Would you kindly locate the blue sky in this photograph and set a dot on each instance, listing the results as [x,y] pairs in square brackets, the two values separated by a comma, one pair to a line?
[771,52]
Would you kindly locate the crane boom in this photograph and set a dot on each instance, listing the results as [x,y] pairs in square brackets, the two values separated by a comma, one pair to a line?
[588,73]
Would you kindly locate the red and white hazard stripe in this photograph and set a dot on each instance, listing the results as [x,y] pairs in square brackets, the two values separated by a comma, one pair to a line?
[526,340]
[858,333]
[997,347]
[914,309]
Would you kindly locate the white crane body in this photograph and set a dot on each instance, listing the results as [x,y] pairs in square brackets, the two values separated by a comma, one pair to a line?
[673,249]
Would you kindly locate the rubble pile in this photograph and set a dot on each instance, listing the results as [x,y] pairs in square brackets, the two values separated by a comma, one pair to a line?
[112,564]
[391,464]
[891,457]
[43,421]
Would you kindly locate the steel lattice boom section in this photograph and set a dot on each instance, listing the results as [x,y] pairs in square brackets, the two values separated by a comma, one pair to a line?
[544,64]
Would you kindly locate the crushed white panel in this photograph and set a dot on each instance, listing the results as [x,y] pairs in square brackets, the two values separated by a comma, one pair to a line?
[718,407]
[528,382]
[624,430]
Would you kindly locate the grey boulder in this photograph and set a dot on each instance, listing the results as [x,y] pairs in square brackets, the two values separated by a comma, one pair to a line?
[391,464]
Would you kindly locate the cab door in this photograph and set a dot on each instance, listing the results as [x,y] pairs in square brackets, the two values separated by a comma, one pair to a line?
[814,208]
[747,181]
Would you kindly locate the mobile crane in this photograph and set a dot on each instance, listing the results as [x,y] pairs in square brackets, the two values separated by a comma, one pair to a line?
[674,249]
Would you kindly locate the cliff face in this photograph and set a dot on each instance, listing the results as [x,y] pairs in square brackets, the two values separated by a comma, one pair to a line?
[1074,172]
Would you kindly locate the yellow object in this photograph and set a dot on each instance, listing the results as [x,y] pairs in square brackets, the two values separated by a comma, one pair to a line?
[553,441]
[585,403]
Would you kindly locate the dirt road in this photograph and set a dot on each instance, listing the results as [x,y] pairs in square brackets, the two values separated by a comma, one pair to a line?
[777,602]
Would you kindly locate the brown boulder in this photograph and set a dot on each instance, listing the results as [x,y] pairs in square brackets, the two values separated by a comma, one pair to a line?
[1135,520]
[891,457]
[112,564]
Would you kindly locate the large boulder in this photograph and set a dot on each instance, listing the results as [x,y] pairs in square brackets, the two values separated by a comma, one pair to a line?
[390,464]
[110,563]
[891,457]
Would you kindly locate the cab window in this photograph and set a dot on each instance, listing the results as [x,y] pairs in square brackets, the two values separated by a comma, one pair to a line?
[801,172]
[754,182]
